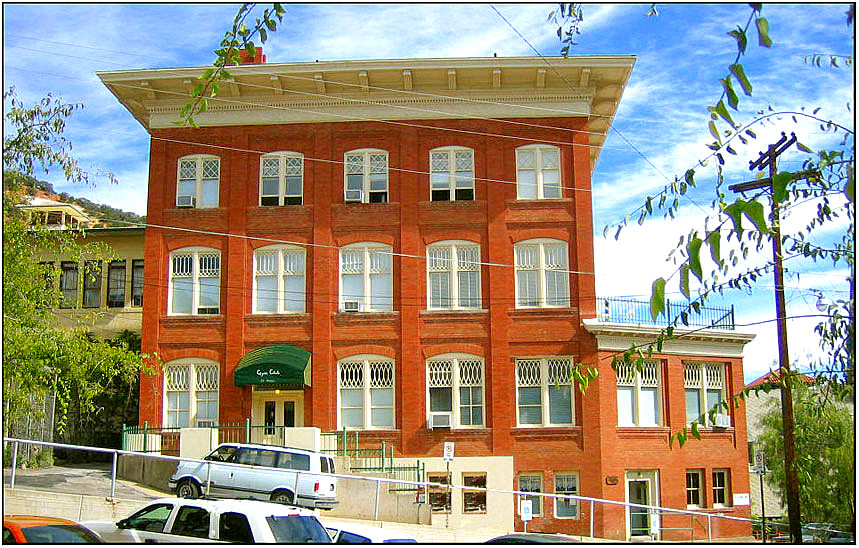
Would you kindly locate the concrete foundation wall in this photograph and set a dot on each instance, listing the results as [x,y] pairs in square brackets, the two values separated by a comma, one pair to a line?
[196,443]
[358,501]
[63,505]
[148,471]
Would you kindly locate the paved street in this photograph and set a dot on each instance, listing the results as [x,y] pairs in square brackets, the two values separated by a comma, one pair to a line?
[79,479]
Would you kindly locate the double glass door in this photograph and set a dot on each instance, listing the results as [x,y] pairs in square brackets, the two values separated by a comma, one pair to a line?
[273,412]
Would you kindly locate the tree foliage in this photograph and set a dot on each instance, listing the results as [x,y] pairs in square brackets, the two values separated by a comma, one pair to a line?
[41,359]
[825,448]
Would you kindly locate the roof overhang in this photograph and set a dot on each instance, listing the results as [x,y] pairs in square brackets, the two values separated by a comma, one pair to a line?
[399,89]
[618,337]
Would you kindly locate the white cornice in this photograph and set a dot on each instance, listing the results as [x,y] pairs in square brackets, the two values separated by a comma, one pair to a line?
[688,342]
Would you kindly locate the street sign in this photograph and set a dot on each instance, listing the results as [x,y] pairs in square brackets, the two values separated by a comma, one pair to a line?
[448,451]
[525,510]
[760,463]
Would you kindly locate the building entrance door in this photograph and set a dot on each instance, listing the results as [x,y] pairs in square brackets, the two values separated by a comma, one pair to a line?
[641,488]
[273,411]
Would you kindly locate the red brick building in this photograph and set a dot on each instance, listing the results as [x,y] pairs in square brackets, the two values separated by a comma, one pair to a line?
[423,229]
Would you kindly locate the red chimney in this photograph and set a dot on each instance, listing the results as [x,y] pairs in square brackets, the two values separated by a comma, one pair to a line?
[258,59]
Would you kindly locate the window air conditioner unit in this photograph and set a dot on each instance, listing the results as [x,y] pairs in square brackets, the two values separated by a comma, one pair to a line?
[186,201]
[722,421]
[439,420]
[351,306]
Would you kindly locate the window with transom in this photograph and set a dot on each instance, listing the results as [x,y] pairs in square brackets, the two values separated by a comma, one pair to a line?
[281,179]
[639,395]
[566,483]
[279,280]
[694,488]
[195,282]
[116,284]
[92,284]
[69,283]
[198,181]
[191,393]
[137,282]
[453,275]
[455,390]
[538,172]
[451,174]
[705,388]
[366,393]
[542,274]
[366,174]
[544,394]
[366,278]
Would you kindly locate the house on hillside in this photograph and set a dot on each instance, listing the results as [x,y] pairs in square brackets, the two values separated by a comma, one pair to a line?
[115,291]
[404,248]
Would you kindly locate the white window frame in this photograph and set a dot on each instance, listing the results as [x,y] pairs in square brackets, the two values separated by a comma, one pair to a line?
[536,500]
[453,264]
[453,154]
[457,371]
[539,168]
[725,488]
[699,489]
[650,376]
[541,268]
[575,491]
[195,253]
[383,264]
[199,160]
[366,380]
[286,167]
[280,272]
[542,373]
[367,169]
[704,377]
[191,375]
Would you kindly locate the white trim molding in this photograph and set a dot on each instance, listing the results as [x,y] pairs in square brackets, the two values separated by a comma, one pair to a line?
[704,342]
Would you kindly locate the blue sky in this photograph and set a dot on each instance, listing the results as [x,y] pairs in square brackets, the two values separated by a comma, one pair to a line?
[681,53]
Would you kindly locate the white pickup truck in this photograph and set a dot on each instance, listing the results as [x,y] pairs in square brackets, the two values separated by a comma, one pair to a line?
[175,520]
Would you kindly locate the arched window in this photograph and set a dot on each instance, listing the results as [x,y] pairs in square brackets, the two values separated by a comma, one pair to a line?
[279,280]
[538,172]
[455,391]
[191,393]
[365,397]
[453,275]
[542,274]
[281,179]
[366,277]
[198,181]
[195,281]
[366,176]
[451,174]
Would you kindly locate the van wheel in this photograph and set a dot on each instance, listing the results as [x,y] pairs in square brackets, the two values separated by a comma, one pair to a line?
[282,496]
[188,489]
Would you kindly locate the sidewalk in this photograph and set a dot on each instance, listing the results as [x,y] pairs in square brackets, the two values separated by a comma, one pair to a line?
[80,479]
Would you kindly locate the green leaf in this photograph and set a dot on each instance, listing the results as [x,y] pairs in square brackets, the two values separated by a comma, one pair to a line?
[804,148]
[756,7]
[733,101]
[740,75]
[740,36]
[208,73]
[657,298]
[735,212]
[693,248]
[695,431]
[780,182]
[226,75]
[714,240]
[849,187]
[715,133]
[270,24]
[754,211]
[722,111]
[648,204]
[763,32]
[251,49]
[684,280]
[263,35]
[689,177]
[198,89]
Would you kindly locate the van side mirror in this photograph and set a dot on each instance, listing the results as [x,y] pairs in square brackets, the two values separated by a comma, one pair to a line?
[122,524]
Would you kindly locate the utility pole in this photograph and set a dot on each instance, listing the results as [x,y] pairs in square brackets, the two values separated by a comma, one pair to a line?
[768,160]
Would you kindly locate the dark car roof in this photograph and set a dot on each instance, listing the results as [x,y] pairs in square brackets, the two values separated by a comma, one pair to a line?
[538,538]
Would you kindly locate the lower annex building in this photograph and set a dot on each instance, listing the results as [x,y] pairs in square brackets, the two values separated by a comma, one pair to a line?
[405,248]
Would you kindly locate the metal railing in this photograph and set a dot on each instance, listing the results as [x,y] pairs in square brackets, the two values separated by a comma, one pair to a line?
[547,498]
[630,311]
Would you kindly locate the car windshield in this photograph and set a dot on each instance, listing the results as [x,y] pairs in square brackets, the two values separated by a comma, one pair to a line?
[64,534]
[297,529]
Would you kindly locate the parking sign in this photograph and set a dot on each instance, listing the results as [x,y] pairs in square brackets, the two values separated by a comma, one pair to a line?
[448,451]
[525,510]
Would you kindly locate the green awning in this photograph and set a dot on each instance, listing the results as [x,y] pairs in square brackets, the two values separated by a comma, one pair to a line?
[274,364]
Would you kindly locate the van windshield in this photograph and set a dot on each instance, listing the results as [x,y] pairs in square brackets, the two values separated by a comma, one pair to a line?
[293,461]
[297,529]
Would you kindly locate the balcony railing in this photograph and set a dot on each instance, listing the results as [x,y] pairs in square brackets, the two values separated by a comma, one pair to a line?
[678,314]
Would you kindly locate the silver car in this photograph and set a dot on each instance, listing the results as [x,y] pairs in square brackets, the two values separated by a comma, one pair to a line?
[267,472]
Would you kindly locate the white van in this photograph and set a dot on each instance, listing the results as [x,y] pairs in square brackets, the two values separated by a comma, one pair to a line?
[268,472]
